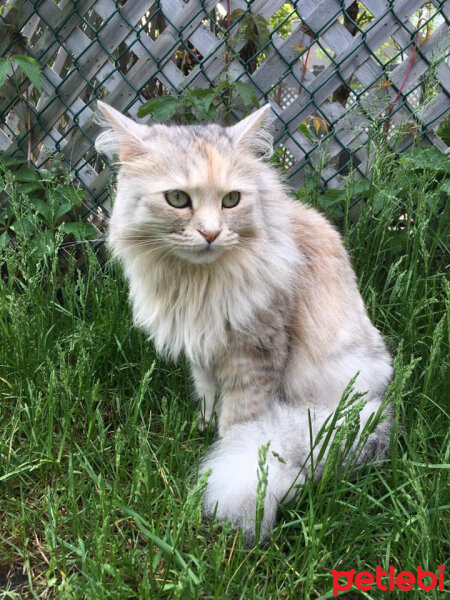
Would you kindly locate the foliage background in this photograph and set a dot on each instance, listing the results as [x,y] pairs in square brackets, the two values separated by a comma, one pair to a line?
[334,72]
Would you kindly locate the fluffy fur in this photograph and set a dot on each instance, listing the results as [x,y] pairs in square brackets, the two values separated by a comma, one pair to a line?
[268,314]
[292,433]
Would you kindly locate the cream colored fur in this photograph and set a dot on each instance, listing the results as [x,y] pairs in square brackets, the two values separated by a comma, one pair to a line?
[268,314]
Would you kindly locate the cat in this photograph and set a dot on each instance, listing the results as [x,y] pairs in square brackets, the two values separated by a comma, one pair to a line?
[257,291]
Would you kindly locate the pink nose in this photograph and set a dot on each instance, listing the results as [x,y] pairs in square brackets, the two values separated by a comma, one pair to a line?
[209,236]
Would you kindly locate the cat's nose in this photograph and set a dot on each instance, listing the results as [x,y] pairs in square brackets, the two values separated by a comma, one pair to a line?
[209,235]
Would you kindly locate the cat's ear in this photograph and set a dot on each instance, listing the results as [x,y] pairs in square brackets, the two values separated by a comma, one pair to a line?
[123,136]
[250,133]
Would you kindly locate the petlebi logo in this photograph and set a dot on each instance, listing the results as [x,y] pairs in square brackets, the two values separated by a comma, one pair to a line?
[388,580]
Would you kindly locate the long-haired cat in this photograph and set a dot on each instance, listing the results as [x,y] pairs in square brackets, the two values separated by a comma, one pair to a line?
[254,288]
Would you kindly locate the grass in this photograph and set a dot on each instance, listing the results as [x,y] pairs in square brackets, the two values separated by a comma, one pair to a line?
[99,441]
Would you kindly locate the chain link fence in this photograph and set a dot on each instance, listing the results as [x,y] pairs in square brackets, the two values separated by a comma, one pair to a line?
[333,70]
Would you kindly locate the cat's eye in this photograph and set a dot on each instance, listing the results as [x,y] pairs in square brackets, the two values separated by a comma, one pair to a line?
[177,198]
[231,199]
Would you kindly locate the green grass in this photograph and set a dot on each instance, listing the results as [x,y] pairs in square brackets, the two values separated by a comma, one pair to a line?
[99,441]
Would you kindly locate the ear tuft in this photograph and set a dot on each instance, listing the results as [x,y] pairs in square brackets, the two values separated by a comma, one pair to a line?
[123,136]
[251,134]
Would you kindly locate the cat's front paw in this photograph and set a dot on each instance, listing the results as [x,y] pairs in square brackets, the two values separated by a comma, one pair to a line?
[233,500]
[232,487]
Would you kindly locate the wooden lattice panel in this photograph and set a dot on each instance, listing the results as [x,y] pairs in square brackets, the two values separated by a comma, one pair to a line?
[127,52]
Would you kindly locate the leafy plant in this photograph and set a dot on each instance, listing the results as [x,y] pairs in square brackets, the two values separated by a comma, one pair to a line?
[27,64]
[249,43]
[428,158]
[252,27]
[399,184]
[199,104]
[49,208]
[12,67]
[314,128]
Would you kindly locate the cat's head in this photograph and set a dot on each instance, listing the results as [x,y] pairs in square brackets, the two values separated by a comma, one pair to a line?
[186,191]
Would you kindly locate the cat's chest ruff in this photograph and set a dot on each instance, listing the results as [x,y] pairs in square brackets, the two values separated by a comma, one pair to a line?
[190,310]
[192,324]
[193,315]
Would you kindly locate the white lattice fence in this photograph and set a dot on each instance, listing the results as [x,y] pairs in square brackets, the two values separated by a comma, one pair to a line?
[127,52]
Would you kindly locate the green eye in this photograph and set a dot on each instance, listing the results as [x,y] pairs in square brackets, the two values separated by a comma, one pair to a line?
[231,199]
[177,198]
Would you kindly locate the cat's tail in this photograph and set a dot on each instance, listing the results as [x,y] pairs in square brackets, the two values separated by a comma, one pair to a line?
[241,482]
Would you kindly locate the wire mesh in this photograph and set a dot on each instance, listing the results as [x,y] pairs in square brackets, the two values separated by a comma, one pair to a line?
[333,70]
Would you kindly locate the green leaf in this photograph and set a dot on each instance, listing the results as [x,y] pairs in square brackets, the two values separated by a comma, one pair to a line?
[429,158]
[237,12]
[263,32]
[44,243]
[303,128]
[331,202]
[445,187]
[45,174]
[27,175]
[60,202]
[81,231]
[202,101]
[444,130]
[64,197]
[10,211]
[379,201]
[331,197]
[31,68]
[29,188]
[222,86]
[12,161]
[202,92]
[5,68]
[360,188]
[64,208]
[247,93]
[24,226]
[161,109]
[4,240]
[254,28]
[43,209]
